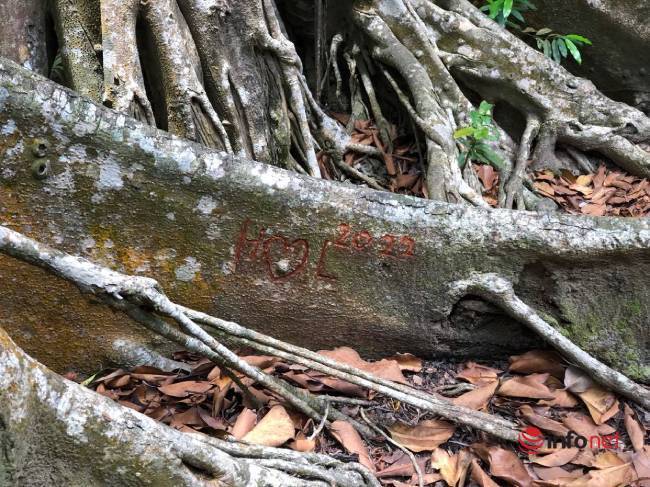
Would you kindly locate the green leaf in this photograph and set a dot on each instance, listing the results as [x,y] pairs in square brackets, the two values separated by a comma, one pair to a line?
[507,8]
[89,380]
[562,47]
[517,15]
[485,108]
[573,49]
[578,38]
[547,48]
[464,132]
[488,155]
[557,57]
[482,133]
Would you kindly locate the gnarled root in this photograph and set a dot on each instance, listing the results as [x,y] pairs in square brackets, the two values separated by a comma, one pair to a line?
[435,48]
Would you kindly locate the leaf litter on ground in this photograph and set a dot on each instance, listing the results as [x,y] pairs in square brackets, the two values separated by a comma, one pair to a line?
[534,389]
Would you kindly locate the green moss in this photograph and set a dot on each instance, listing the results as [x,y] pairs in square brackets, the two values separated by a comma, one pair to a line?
[610,330]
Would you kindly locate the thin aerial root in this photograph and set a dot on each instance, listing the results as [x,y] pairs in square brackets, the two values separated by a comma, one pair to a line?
[514,187]
[499,291]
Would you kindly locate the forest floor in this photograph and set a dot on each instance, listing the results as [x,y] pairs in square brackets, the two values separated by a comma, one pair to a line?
[608,191]
[558,407]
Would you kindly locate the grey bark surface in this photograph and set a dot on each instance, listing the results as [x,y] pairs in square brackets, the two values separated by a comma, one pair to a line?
[143,201]
[619,60]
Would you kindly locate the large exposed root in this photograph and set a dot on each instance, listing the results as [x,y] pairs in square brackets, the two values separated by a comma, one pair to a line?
[436,57]
[75,424]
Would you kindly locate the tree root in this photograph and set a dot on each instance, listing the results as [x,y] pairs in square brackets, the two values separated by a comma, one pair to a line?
[137,295]
[75,423]
[500,292]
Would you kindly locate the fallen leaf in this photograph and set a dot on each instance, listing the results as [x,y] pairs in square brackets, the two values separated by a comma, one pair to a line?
[530,386]
[425,436]
[556,459]
[403,467]
[634,429]
[556,473]
[244,423]
[505,464]
[385,369]
[347,436]
[184,389]
[609,477]
[641,462]
[546,424]
[479,398]
[478,374]
[447,465]
[302,443]
[602,405]
[274,429]
[407,361]
[561,399]
[480,477]
[538,361]
[607,459]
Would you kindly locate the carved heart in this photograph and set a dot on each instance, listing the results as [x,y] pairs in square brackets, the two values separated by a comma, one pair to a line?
[285,259]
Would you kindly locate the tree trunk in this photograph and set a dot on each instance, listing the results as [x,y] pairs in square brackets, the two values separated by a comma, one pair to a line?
[324,264]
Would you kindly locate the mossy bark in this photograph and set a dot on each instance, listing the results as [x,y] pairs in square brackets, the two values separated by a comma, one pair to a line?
[334,264]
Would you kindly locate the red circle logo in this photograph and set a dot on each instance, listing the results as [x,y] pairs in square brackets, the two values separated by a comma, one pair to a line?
[530,440]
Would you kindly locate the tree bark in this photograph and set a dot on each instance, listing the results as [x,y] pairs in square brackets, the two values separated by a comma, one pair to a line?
[323,264]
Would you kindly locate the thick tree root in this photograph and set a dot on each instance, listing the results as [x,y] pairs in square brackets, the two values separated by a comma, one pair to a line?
[137,295]
[75,427]
[436,47]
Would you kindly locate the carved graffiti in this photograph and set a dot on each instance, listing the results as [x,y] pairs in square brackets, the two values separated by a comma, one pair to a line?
[285,257]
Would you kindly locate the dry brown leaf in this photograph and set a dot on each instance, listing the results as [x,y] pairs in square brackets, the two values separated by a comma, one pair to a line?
[641,462]
[403,467]
[558,458]
[609,477]
[538,361]
[302,443]
[634,429]
[347,436]
[244,423]
[607,459]
[479,398]
[544,188]
[449,467]
[385,369]
[184,389]
[602,405]
[274,429]
[505,464]
[425,436]
[478,374]
[546,424]
[561,399]
[585,426]
[480,477]
[407,361]
[530,386]
[556,473]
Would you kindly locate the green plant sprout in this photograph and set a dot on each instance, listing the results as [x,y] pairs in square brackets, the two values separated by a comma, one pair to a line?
[474,138]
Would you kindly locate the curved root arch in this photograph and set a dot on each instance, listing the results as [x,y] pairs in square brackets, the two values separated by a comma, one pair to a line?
[434,48]
[230,78]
